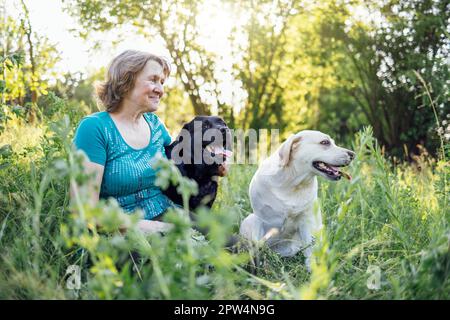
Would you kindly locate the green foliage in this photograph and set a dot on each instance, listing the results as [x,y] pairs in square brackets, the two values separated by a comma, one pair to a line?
[8,62]
[26,61]
[263,65]
[176,23]
[394,218]
[330,65]
[169,174]
[301,65]
[76,89]
[380,62]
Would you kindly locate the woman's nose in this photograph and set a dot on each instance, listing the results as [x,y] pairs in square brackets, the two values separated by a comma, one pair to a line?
[159,89]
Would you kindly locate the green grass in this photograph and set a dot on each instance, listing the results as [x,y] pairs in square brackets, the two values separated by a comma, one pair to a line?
[394,218]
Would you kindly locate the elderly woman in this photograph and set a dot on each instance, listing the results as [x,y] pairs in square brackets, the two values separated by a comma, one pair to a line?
[122,141]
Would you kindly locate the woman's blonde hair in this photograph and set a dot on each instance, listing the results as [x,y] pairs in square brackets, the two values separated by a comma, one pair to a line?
[121,75]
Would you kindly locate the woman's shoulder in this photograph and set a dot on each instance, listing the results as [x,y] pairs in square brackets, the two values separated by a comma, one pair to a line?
[95,120]
[159,128]
[154,120]
[91,137]
[96,123]
[100,116]
[152,117]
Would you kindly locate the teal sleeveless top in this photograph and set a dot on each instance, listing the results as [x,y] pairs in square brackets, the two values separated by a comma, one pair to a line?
[129,174]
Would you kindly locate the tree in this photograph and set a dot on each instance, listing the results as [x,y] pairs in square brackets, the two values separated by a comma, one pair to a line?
[380,57]
[262,63]
[27,80]
[176,23]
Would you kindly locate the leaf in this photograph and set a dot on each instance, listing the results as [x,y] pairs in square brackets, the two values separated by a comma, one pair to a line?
[6,150]
[5,165]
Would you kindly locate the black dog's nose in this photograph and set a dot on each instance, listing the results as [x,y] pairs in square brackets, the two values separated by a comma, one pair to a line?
[351,154]
[223,130]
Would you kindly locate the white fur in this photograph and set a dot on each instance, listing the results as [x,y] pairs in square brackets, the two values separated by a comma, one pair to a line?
[283,192]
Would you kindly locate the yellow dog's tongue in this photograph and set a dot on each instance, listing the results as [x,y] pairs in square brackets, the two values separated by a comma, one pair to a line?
[343,173]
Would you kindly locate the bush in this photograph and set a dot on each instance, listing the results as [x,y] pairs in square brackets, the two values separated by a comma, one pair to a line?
[386,236]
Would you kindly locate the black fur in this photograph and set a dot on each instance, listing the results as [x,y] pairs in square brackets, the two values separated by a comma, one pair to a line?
[204,174]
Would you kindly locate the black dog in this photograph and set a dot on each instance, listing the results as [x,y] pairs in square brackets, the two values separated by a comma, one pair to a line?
[198,155]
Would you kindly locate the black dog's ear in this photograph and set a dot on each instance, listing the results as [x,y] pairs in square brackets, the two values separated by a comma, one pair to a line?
[181,149]
[184,143]
[188,126]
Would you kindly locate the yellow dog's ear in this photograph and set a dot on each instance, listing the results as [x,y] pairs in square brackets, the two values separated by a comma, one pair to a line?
[286,149]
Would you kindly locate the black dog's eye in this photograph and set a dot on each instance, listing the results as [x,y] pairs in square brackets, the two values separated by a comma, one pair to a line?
[325,142]
[206,125]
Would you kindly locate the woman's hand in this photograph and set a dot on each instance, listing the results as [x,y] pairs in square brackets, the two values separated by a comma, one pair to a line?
[148,226]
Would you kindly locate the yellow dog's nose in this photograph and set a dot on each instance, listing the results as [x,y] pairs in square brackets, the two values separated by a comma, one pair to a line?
[351,154]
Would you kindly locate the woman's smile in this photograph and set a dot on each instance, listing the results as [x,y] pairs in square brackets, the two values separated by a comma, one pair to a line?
[155,98]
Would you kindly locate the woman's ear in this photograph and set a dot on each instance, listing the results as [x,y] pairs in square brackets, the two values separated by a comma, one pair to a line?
[286,149]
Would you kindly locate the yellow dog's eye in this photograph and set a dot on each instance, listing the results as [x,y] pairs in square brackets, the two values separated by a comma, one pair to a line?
[325,142]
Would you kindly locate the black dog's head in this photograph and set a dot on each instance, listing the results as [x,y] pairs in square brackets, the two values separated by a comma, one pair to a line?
[203,144]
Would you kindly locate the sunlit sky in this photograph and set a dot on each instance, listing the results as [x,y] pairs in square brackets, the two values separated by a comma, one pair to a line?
[77,55]
[48,19]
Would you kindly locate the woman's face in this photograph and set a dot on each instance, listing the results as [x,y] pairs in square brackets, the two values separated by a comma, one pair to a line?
[148,88]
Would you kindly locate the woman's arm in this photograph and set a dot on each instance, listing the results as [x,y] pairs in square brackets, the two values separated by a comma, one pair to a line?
[92,187]
[93,191]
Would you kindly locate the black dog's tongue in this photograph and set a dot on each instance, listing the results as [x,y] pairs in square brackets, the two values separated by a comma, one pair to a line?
[220,151]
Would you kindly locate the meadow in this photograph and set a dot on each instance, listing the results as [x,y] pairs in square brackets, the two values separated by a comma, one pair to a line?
[386,236]
[374,75]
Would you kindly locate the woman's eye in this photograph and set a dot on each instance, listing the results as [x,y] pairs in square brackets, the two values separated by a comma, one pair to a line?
[155,80]
[325,142]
